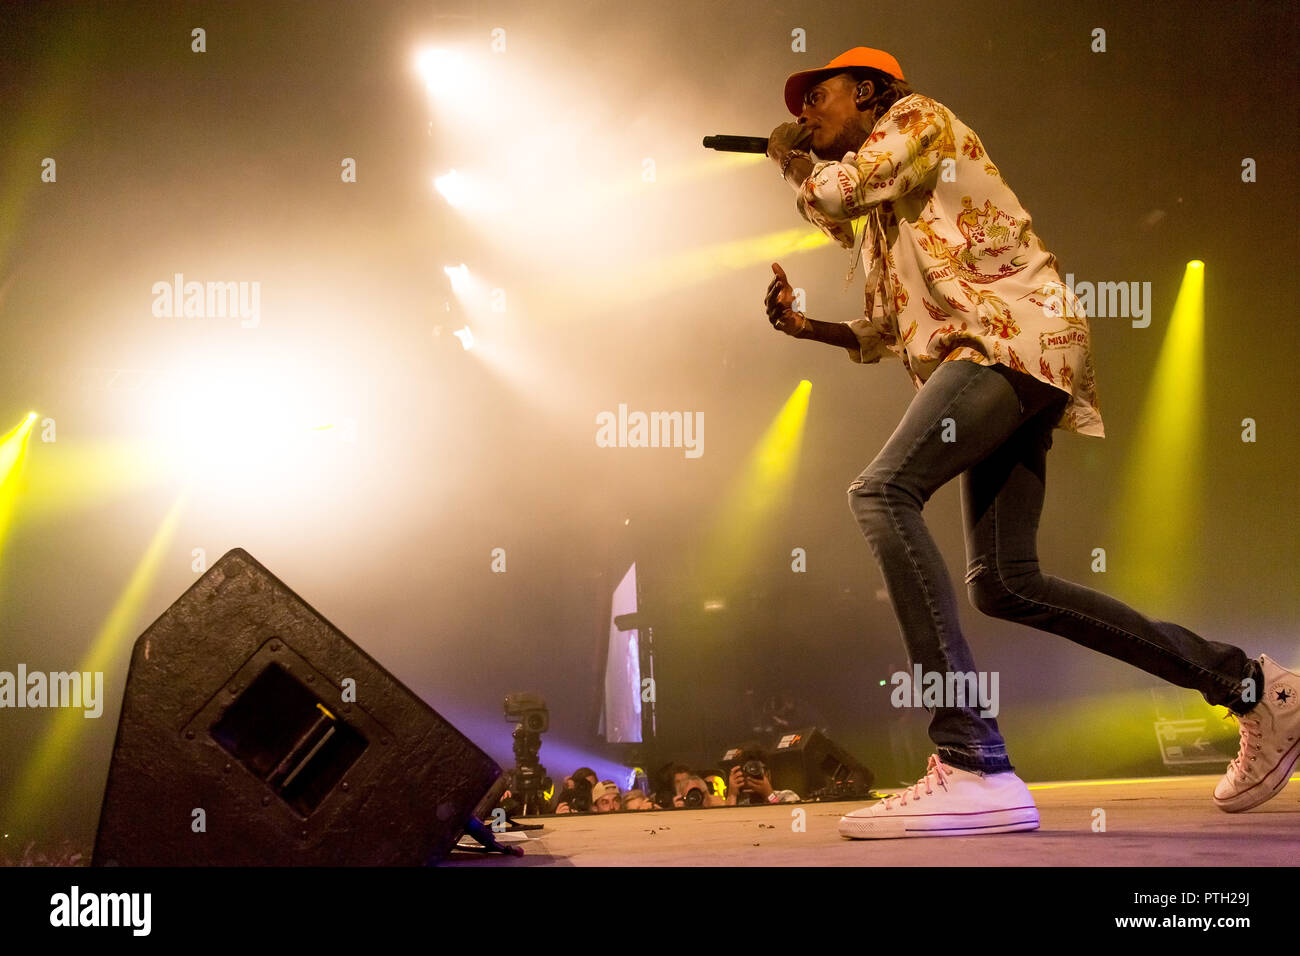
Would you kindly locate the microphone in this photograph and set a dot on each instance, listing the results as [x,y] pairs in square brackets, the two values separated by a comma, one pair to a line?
[737,144]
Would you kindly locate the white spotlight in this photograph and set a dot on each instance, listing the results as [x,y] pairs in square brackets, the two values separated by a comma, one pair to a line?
[440,69]
[459,276]
[454,188]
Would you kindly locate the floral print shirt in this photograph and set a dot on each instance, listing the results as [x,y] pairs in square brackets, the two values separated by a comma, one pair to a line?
[954,269]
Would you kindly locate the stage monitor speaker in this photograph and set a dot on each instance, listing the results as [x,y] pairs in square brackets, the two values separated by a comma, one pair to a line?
[813,766]
[253,732]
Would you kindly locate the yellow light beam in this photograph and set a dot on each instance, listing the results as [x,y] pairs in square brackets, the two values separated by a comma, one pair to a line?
[69,476]
[764,486]
[54,750]
[1110,734]
[612,189]
[13,458]
[671,274]
[1161,504]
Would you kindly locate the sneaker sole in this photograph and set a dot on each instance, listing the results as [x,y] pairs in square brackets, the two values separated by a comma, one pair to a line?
[1263,791]
[940,824]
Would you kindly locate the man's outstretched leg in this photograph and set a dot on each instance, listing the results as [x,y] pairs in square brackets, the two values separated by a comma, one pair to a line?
[1002,499]
[961,415]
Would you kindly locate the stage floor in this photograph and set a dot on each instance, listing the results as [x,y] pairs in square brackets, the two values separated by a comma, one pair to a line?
[1160,821]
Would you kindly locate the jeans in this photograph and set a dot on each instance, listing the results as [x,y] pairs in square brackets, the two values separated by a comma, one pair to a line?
[998,424]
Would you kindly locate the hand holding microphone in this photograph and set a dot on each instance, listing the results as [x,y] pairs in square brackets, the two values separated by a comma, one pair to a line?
[782,147]
[786,137]
[783,139]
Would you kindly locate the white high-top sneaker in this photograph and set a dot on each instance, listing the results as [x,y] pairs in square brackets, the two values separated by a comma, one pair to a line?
[947,802]
[1270,743]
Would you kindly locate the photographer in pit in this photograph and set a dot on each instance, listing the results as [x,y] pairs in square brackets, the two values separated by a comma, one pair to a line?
[576,797]
[701,791]
[693,793]
[636,800]
[668,781]
[751,782]
[606,797]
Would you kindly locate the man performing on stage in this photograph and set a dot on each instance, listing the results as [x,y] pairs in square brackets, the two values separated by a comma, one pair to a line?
[960,288]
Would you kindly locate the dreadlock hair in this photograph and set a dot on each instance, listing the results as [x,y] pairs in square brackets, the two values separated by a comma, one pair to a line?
[888,89]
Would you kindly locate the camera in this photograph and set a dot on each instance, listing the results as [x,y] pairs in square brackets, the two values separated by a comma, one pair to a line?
[693,796]
[578,797]
[752,767]
[529,711]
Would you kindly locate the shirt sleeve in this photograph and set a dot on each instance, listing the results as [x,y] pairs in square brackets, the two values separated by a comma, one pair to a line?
[872,346]
[901,155]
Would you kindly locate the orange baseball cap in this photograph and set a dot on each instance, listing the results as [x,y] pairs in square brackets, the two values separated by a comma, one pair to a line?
[800,83]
